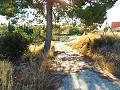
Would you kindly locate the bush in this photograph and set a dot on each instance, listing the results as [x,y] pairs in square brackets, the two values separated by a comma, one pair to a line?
[104,50]
[28,30]
[74,31]
[38,36]
[55,39]
[107,49]
[3,27]
[13,45]
[11,28]
[104,41]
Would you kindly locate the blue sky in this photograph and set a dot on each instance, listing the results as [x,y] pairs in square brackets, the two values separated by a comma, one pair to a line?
[113,14]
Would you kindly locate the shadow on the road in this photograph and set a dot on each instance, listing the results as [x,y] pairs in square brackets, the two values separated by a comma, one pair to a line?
[87,80]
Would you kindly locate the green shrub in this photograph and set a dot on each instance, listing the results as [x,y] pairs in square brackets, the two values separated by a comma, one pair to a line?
[38,36]
[13,45]
[3,27]
[55,39]
[11,28]
[28,30]
[74,31]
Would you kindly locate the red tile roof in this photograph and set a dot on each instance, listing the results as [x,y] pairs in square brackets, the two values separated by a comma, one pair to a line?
[115,25]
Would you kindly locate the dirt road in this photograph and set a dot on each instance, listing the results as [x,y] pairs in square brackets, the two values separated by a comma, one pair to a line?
[81,73]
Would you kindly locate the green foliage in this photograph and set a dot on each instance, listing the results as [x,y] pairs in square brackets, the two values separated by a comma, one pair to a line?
[8,7]
[3,27]
[35,33]
[11,28]
[55,38]
[58,29]
[88,29]
[13,45]
[28,30]
[74,31]
[91,12]
[38,35]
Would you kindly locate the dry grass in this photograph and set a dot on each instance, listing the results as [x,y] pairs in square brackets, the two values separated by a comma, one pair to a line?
[6,75]
[82,43]
[106,57]
[37,48]
[36,75]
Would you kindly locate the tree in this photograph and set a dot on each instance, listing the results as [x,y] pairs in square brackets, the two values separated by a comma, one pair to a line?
[37,4]
[92,12]
[8,7]
[84,9]
[77,4]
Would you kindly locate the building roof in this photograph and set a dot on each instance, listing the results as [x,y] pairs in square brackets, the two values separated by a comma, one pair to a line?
[115,25]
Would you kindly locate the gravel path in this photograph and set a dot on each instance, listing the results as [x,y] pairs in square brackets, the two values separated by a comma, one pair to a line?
[81,73]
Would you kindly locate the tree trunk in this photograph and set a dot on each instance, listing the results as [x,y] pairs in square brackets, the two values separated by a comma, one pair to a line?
[48,28]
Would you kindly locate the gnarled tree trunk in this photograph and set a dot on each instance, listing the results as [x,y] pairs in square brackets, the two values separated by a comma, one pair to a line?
[48,28]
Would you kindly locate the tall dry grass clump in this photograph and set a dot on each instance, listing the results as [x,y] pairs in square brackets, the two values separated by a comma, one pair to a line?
[34,76]
[104,50]
[108,48]
[6,71]
[83,44]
